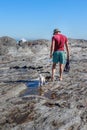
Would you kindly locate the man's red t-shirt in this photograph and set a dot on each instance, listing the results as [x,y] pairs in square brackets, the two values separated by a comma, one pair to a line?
[60,40]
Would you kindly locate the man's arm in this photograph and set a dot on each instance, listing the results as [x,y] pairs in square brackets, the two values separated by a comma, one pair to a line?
[52,48]
[68,50]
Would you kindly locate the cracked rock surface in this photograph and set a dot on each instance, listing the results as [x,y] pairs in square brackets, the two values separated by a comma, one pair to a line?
[59,105]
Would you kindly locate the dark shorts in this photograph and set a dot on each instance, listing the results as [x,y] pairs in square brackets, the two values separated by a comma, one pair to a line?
[59,57]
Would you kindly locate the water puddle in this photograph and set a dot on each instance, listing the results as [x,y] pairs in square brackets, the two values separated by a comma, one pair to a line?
[32,88]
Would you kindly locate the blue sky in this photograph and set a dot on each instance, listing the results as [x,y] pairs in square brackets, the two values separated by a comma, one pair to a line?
[36,19]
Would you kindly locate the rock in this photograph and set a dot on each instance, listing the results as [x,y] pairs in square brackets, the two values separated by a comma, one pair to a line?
[59,105]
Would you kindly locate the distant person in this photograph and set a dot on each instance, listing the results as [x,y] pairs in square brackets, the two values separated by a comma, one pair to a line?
[57,52]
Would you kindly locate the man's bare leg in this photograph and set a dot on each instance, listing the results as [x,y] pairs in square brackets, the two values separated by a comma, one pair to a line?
[53,70]
[61,71]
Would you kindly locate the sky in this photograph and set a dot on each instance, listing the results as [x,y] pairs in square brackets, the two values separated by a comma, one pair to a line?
[36,19]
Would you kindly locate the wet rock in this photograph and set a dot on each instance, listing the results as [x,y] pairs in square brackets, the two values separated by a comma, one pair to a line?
[59,105]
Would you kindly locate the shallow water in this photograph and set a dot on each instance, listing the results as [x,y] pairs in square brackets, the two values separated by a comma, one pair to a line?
[32,88]
[33,83]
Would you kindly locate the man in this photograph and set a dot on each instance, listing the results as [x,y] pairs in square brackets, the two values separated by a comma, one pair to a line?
[57,51]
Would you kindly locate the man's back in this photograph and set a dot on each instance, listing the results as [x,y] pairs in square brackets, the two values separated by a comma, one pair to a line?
[60,40]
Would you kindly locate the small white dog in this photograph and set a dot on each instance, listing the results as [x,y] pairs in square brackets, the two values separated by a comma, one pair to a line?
[42,80]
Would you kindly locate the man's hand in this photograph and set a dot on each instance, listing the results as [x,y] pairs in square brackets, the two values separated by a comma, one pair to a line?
[50,55]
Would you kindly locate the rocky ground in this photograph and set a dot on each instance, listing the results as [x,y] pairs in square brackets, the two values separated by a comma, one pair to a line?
[59,105]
